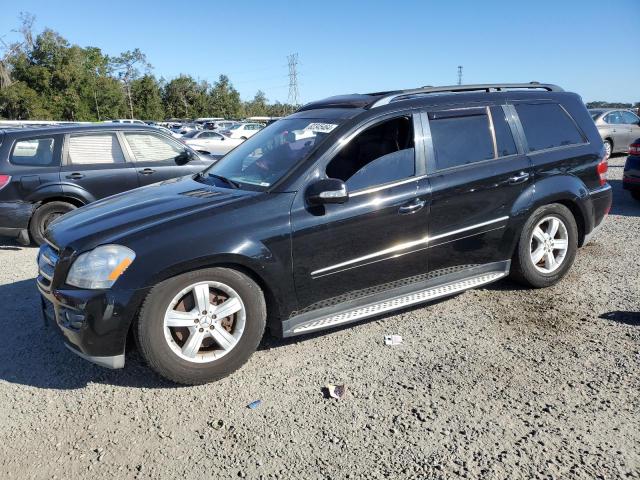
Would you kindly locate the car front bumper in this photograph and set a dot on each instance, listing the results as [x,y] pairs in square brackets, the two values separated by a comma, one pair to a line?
[94,323]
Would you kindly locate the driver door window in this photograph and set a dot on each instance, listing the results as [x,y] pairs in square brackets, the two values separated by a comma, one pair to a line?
[381,154]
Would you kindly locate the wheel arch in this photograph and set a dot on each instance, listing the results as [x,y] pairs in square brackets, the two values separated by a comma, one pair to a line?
[242,264]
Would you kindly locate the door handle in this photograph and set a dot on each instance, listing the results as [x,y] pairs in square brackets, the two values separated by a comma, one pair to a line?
[412,207]
[75,176]
[521,177]
[147,171]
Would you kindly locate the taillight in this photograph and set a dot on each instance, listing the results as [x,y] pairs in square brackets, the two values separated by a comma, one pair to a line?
[602,168]
[4,181]
[634,149]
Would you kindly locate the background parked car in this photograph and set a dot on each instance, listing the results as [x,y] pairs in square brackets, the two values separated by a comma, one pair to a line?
[126,120]
[213,143]
[220,125]
[631,175]
[618,128]
[49,171]
[243,130]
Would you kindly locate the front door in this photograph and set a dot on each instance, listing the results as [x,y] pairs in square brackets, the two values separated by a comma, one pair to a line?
[158,157]
[377,237]
[94,163]
[476,173]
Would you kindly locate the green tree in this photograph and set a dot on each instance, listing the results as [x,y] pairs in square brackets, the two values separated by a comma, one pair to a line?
[180,96]
[19,102]
[225,100]
[147,98]
[126,66]
[258,106]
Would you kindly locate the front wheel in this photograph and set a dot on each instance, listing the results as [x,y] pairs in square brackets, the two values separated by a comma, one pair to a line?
[547,247]
[201,326]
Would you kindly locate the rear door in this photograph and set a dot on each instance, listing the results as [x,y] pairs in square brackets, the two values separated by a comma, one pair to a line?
[95,166]
[158,157]
[617,130]
[36,164]
[477,171]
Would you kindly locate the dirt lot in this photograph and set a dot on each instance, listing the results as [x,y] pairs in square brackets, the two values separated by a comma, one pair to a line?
[499,382]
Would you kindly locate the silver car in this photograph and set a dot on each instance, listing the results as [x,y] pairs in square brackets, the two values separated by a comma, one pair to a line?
[618,128]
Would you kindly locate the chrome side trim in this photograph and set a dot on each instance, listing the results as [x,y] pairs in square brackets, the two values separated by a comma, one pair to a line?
[404,246]
[399,302]
[465,229]
[385,186]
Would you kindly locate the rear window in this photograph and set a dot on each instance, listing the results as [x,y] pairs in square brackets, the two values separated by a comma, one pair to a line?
[547,125]
[37,152]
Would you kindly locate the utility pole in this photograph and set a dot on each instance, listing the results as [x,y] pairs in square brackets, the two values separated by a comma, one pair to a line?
[459,74]
[294,93]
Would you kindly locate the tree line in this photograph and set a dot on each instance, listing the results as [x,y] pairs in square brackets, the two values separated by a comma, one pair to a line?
[43,76]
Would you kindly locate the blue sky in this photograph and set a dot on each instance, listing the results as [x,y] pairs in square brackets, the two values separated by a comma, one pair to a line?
[347,46]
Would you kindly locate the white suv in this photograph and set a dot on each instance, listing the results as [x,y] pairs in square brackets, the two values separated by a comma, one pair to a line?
[243,130]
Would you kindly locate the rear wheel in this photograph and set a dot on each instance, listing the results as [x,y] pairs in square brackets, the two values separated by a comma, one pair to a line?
[43,216]
[608,148]
[201,326]
[547,247]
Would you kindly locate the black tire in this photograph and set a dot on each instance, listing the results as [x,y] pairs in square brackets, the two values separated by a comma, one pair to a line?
[522,268]
[608,148]
[155,349]
[636,194]
[43,216]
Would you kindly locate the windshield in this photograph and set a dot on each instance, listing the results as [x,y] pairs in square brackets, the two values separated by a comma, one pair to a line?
[595,113]
[191,134]
[263,159]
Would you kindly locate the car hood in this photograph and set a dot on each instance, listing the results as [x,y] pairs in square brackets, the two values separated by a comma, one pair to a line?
[111,219]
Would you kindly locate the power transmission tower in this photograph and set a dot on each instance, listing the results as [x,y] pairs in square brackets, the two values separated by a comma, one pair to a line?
[294,93]
[459,74]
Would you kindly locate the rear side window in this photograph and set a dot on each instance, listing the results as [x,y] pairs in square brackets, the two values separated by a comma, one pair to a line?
[37,152]
[152,148]
[629,118]
[547,125]
[461,137]
[95,149]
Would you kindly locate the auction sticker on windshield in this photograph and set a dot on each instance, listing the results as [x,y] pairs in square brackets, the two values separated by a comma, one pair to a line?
[320,127]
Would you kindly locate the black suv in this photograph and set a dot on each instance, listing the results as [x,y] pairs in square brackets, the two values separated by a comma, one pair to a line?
[48,171]
[353,206]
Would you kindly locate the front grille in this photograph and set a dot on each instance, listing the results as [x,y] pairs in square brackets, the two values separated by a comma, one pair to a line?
[47,260]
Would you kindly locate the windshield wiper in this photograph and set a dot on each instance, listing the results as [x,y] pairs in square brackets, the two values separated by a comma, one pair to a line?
[228,181]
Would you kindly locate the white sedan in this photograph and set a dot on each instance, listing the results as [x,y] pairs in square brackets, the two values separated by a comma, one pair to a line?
[243,130]
[211,142]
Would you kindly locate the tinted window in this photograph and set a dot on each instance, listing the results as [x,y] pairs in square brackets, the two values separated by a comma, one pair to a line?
[628,117]
[613,118]
[152,148]
[380,154]
[504,138]
[98,148]
[547,125]
[36,152]
[461,137]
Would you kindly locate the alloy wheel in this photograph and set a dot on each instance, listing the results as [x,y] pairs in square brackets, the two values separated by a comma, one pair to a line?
[204,321]
[549,244]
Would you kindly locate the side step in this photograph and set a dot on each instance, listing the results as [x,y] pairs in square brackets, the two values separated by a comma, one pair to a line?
[395,302]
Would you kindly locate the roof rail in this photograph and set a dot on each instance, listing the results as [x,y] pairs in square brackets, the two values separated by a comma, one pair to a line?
[487,87]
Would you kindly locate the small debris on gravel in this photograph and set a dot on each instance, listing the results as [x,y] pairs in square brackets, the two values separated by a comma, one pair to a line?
[392,340]
[255,404]
[336,391]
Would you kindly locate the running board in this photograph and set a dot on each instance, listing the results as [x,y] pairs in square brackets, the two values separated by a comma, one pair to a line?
[393,303]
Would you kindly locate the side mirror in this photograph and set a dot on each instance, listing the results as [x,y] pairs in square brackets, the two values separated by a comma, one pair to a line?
[185,157]
[329,190]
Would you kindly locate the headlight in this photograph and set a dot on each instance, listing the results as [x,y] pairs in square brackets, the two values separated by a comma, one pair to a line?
[101,267]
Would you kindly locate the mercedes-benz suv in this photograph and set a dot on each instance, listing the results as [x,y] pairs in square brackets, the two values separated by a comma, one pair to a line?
[351,207]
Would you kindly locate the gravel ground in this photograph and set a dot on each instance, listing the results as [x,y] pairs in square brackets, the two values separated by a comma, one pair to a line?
[500,382]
